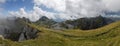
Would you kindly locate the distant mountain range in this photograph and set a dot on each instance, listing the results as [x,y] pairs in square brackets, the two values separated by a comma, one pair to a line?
[81,23]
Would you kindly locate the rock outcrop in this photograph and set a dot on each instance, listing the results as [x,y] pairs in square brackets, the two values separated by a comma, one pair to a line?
[28,33]
[15,30]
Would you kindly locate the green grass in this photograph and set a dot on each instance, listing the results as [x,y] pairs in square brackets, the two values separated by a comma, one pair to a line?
[108,35]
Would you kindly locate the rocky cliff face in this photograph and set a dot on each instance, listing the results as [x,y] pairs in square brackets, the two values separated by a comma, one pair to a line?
[13,29]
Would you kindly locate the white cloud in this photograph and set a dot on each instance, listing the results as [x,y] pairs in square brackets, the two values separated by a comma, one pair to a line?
[69,9]
[112,5]
[22,13]
[84,8]
[2,1]
[58,5]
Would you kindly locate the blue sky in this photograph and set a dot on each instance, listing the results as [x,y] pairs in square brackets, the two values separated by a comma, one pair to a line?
[17,4]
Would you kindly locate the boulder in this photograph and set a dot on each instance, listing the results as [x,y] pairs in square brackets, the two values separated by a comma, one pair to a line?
[1,37]
[28,33]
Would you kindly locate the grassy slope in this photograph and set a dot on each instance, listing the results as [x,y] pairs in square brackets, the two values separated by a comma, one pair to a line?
[106,36]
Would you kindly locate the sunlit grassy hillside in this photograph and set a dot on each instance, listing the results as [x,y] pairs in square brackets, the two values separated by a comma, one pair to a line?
[108,35]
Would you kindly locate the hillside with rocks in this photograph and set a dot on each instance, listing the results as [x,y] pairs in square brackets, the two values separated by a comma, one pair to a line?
[47,32]
[16,30]
[105,36]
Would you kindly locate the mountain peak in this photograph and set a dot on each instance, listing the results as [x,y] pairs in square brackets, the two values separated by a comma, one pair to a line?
[44,18]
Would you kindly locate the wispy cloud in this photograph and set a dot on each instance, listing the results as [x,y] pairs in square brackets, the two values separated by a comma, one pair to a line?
[2,1]
[112,5]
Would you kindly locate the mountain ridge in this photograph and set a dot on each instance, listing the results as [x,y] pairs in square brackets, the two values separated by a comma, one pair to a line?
[70,37]
[48,37]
